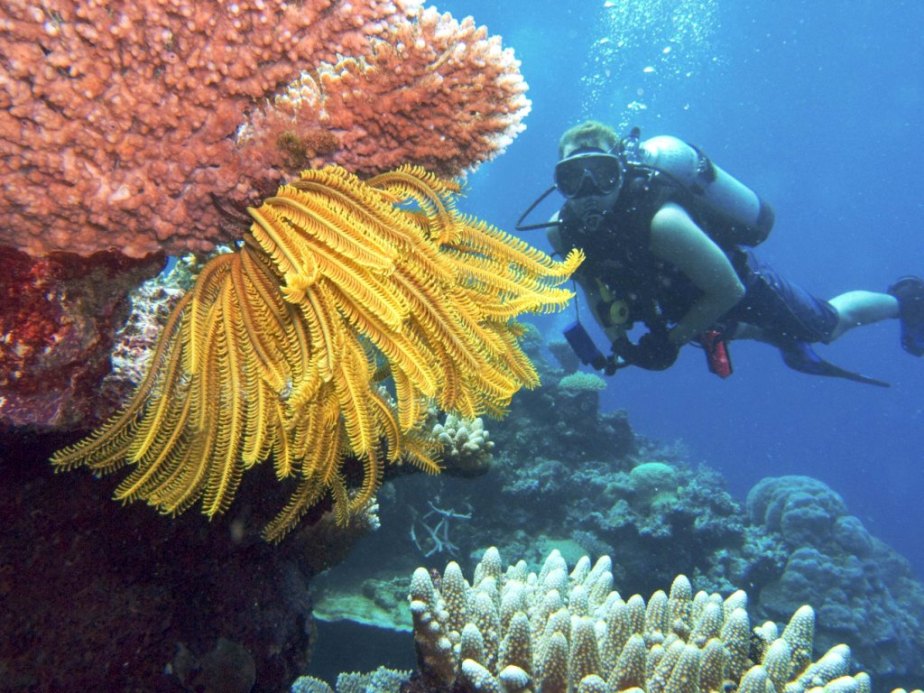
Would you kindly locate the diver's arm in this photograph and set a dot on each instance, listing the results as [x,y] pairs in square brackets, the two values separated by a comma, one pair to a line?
[677,239]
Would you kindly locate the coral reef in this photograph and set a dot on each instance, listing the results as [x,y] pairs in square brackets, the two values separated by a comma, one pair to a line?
[555,630]
[545,490]
[151,305]
[467,449]
[148,127]
[620,494]
[118,119]
[861,587]
[58,317]
[655,507]
[278,348]
[97,597]
[611,488]
[382,680]
[564,414]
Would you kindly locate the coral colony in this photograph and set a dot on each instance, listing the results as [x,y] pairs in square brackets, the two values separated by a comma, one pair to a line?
[123,122]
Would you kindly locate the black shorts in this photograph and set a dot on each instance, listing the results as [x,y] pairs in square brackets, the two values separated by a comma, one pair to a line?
[782,309]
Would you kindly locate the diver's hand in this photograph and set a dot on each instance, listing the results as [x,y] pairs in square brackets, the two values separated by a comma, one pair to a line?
[607,364]
[654,351]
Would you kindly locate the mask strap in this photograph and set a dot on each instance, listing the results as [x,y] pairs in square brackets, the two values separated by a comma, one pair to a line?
[520,226]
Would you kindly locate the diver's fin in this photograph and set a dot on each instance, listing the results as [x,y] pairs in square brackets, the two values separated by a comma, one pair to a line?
[801,357]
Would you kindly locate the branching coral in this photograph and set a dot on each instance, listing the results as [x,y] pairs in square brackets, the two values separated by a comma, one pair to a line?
[467,449]
[381,680]
[434,530]
[279,349]
[557,631]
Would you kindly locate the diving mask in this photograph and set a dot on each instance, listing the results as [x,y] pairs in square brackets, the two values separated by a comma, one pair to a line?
[589,173]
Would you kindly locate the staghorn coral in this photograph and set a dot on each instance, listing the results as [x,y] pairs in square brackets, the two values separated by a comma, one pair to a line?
[278,348]
[118,120]
[560,631]
[430,532]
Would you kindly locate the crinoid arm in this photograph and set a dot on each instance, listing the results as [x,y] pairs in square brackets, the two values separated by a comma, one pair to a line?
[278,349]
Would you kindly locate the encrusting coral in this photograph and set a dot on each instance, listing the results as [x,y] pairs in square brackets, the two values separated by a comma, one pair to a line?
[282,348]
[570,632]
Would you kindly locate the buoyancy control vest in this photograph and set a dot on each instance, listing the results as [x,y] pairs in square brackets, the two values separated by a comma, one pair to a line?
[614,230]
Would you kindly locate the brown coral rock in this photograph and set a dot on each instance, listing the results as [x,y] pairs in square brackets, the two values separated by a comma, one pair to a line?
[58,318]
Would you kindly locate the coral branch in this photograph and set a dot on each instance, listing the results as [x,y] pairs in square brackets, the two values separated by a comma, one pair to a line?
[564,630]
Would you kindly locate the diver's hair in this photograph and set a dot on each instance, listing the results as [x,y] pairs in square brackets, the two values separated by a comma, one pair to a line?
[590,133]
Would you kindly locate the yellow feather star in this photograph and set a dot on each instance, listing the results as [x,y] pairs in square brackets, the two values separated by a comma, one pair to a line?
[274,352]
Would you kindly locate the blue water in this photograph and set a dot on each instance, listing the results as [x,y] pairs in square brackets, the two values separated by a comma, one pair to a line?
[816,105]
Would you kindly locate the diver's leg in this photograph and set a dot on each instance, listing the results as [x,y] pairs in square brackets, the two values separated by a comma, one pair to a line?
[777,311]
[909,292]
[857,308]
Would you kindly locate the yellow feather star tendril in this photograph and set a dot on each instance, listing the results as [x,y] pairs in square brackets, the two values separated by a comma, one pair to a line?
[275,350]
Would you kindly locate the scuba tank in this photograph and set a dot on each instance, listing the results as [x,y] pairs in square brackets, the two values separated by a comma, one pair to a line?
[741,216]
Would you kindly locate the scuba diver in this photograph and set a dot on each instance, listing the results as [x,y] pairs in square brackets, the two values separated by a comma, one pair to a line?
[668,236]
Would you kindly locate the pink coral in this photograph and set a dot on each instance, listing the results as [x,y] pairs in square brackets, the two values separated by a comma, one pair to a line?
[437,92]
[118,120]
